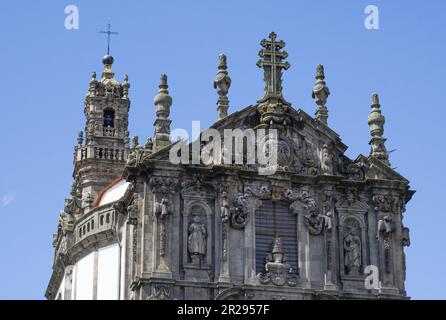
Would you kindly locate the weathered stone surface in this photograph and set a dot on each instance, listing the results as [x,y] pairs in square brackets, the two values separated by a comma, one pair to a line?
[194,231]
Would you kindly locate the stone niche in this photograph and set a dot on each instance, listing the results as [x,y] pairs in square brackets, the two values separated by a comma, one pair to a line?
[353,241]
[198,225]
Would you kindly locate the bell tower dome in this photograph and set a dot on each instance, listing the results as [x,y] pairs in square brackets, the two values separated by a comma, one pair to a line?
[101,158]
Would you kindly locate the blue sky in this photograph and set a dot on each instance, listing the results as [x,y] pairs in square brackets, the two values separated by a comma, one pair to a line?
[46,68]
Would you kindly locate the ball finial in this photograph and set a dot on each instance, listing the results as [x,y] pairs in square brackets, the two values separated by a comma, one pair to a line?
[108,60]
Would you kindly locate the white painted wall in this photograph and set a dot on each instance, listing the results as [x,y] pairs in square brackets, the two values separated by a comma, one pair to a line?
[108,273]
[61,292]
[84,277]
[114,193]
[123,259]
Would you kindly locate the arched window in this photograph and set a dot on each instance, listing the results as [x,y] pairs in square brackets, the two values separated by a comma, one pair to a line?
[109,118]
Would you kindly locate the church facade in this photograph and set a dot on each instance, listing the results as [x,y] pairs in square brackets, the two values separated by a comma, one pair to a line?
[141,226]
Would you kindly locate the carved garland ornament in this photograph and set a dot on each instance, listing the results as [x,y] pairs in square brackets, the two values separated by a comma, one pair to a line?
[163,184]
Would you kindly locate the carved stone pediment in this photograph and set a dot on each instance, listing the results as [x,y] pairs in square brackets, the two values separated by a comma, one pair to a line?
[350,201]
[198,187]
[376,169]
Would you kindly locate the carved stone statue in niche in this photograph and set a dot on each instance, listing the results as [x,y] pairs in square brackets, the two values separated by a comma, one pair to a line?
[326,161]
[352,251]
[196,240]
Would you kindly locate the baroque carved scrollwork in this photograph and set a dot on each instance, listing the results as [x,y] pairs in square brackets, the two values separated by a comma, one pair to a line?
[302,201]
[239,212]
[385,203]
[262,191]
[163,184]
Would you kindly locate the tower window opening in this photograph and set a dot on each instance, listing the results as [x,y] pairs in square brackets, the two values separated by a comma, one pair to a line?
[109,118]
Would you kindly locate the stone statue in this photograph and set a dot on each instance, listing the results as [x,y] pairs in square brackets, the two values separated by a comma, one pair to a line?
[328,215]
[164,207]
[133,210]
[385,226]
[196,240]
[328,220]
[352,252]
[326,161]
[224,207]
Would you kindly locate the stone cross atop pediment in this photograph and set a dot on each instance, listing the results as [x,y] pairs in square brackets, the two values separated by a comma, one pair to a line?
[272,61]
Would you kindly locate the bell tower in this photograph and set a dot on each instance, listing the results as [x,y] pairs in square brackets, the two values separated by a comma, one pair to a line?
[101,157]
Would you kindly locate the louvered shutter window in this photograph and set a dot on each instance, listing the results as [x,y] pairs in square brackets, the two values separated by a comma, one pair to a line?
[273,218]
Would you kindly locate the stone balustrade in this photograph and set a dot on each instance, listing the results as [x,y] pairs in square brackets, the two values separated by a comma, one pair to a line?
[96,221]
[101,153]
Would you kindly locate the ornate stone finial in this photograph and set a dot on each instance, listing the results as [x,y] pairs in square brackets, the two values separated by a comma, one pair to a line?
[125,87]
[93,85]
[376,123]
[163,102]
[135,142]
[320,94]
[222,83]
[80,138]
[272,63]
[107,73]
[278,250]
